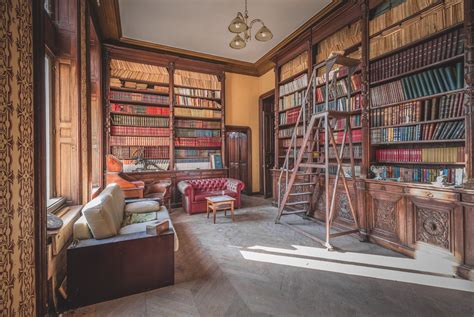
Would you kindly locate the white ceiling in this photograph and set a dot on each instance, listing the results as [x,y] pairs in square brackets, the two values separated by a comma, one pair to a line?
[201,25]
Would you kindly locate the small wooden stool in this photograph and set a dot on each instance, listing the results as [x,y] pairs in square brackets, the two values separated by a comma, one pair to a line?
[219,203]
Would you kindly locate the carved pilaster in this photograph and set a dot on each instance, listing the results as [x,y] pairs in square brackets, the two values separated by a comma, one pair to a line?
[277,117]
[221,78]
[364,8]
[106,111]
[171,68]
[469,94]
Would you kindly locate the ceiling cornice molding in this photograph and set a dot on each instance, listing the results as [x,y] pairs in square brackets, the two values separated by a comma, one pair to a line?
[109,20]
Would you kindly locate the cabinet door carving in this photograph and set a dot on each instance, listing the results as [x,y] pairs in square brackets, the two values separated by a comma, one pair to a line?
[387,217]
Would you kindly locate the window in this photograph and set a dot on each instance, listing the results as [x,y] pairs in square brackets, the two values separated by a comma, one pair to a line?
[48,74]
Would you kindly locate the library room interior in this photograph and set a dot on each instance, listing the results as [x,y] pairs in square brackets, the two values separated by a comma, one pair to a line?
[236,158]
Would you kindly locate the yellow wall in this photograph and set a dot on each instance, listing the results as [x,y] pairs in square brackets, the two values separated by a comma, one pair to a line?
[241,105]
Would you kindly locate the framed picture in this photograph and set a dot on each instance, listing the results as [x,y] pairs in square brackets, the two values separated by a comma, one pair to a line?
[216,161]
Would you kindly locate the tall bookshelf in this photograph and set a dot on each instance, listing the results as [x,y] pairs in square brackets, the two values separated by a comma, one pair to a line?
[165,118]
[198,119]
[293,78]
[139,114]
[417,113]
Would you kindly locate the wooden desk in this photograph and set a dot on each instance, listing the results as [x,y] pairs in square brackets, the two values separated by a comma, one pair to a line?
[220,203]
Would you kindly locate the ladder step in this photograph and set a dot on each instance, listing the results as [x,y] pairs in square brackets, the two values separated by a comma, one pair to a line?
[300,194]
[312,165]
[304,184]
[305,202]
[293,212]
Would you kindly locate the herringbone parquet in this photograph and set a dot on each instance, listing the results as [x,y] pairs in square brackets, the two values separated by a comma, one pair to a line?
[225,270]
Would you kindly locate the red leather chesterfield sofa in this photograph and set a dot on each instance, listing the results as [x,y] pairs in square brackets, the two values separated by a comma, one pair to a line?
[195,192]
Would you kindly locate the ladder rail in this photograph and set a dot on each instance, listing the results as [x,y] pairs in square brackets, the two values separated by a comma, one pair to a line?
[293,143]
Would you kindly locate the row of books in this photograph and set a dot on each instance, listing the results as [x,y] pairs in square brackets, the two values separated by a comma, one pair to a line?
[198,113]
[285,143]
[196,80]
[118,119]
[196,102]
[444,107]
[346,170]
[117,83]
[433,155]
[139,131]
[197,133]
[139,141]
[340,104]
[157,165]
[133,96]
[424,175]
[284,133]
[199,142]
[294,66]
[197,124]
[289,117]
[135,109]
[435,50]
[433,131]
[192,164]
[340,89]
[138,71]
[355,122]
[338,136]
[298,83]
[130,152]
[196,92]
[186,153]
[337,73]
[432,81]
[356,150]
[293,100]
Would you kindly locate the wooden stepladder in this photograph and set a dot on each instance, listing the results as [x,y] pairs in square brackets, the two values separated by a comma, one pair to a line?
[311,160]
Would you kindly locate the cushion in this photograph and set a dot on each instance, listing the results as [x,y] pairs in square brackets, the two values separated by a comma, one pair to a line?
[142,207]
[201,195]
[139,217]
[209,184]
[118,202]
[101,216]
[81,229]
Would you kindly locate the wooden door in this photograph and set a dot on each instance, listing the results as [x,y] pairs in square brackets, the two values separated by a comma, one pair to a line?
[237,156]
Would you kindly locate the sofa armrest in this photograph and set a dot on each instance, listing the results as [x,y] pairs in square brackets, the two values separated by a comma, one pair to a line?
[235,185]
[186,189]
[134,200]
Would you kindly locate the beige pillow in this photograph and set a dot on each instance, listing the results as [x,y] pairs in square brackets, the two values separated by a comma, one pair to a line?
[142,206]
[100,217]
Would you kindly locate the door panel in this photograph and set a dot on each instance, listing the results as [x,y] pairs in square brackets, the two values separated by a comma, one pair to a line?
[237,156]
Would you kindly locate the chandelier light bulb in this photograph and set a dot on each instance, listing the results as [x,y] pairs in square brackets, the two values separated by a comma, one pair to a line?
[237,42]
[238,25]
[264,34]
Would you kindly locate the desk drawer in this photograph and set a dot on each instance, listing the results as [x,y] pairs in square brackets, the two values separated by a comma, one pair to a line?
[426,193]
[385,188]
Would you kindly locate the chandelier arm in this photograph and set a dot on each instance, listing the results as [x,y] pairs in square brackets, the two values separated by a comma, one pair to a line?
[255,21]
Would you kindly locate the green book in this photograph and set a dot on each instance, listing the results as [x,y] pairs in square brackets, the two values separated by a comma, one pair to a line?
[433,82]
[439,80]
[449,77]
[424,86]
[427,82]
[406,89]
[413,86]
[418,86]
[442,75]
[459,76]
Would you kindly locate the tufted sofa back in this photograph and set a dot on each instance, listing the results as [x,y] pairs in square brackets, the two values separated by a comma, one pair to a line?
[209,184]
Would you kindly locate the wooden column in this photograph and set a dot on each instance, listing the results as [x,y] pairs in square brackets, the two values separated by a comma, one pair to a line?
[469,95]
[105,112]
[364,167]
[221,78]
[171,68]
[277,117]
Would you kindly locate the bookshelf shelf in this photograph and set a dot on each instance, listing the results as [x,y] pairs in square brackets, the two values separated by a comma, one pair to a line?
[191,87]
[140,91]
[197,118]
[197,147]
[418,122]
[198,97]
[139,114]
[139,81]
[418,163]
[419,141]
[420,98]
[201,108]
[453,59]
[291,108]
[139,103]
[294,91]
[293,77]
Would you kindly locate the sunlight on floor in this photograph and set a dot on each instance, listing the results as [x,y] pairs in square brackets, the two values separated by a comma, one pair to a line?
[427,273]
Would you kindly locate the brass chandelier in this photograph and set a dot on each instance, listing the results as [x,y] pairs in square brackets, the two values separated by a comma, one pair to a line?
[243,30]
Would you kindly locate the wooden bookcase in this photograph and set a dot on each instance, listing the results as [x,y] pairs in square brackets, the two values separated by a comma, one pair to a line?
[401,47]
[163,108]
